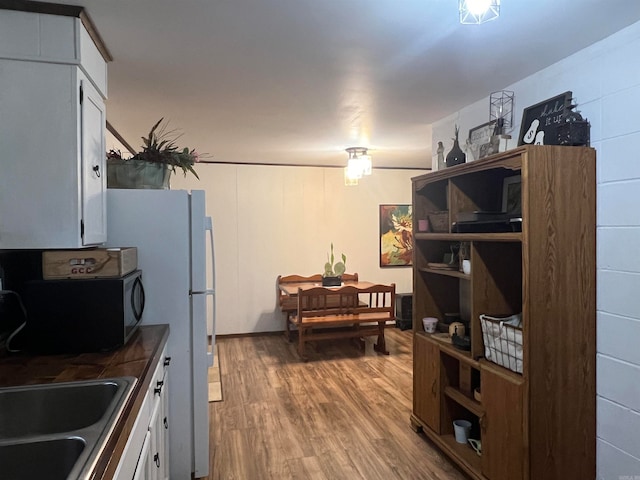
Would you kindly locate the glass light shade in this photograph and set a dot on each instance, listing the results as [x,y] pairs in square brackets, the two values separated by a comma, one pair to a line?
[348,180]
[359,164]
[354,167]
[478,11]
[365,163]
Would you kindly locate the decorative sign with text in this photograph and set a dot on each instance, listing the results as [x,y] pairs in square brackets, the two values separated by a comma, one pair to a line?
[540,121]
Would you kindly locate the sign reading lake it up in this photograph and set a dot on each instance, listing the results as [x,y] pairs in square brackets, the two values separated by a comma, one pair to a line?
[540,121]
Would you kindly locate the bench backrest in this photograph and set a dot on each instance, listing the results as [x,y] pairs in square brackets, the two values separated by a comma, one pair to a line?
[323,301]
[289,304]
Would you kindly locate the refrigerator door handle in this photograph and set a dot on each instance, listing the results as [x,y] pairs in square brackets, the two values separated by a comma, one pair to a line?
[211,340]
[211,291]
[209,228]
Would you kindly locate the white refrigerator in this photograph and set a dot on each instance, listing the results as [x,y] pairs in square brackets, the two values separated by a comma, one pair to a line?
[174,238]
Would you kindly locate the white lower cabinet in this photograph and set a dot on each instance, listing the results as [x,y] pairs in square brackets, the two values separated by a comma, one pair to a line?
[146,454]
[143,469]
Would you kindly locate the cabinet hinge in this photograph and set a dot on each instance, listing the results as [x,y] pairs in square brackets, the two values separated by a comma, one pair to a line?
[81,94]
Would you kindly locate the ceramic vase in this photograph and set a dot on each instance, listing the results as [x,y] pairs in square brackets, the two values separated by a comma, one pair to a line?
[456,156]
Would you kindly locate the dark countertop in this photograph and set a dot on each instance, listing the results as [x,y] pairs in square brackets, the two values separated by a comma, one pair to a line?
[138,358]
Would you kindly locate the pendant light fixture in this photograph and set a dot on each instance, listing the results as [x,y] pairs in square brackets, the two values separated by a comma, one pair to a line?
[478,11]
[358,165]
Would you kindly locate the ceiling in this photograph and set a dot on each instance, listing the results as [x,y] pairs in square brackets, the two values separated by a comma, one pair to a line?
[298,81]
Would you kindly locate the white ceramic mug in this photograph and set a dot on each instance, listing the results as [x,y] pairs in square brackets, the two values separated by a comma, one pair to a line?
[466,266]
[429,324]
[476,445]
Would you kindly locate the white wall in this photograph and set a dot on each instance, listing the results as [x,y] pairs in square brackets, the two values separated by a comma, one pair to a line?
[605,80]
[273,220]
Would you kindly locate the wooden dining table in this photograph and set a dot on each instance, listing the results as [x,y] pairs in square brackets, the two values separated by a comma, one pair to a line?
[291,289]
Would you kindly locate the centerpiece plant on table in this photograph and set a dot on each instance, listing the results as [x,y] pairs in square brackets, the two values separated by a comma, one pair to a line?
[333,271]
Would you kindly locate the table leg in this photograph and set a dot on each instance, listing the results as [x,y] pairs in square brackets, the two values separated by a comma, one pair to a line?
[380,346]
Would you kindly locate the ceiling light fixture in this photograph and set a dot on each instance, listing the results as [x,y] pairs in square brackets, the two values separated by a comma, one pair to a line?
[478,11]
[358,165]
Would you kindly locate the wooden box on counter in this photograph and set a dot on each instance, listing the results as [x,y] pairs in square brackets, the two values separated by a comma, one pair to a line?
[89,263]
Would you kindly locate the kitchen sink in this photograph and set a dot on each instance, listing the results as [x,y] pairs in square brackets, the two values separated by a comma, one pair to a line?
[58,430]
[54,408]
[53,459]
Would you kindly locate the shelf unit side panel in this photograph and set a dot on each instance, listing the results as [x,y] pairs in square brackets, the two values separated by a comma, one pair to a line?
[559,259]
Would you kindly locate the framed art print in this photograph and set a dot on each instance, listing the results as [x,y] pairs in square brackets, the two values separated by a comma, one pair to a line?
[396,236]
[479,141]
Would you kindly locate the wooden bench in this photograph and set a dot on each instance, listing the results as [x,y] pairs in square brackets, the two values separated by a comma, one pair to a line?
[321,310]
[289,304]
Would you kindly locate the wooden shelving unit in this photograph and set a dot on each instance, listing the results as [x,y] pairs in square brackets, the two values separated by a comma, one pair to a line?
[539,423]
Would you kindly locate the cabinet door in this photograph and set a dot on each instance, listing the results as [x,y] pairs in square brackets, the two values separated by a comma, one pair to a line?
[503,450]
[143,471]
[426,381]
[164,428]
[156,457]
[94,174]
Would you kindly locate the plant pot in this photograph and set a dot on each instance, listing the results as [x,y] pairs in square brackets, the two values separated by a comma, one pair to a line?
[137,174]
[331,281]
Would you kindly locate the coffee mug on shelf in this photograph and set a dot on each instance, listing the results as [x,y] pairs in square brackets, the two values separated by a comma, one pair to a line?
[429,324]
[466,266]
[476,445]
[461,430]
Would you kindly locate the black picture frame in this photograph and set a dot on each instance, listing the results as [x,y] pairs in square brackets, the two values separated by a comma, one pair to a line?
[540,121]
[512,195]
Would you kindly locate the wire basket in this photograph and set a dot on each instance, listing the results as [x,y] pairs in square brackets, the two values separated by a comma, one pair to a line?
[503,340]
[439,221]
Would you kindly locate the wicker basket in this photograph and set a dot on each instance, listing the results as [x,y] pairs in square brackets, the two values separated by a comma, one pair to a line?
[503,341]
[439,221]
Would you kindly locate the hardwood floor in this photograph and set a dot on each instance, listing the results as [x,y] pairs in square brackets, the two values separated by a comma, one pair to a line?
[344,414]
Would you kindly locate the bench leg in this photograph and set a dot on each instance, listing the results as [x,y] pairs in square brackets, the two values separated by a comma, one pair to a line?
[287,332]
[380,346]
[301,340]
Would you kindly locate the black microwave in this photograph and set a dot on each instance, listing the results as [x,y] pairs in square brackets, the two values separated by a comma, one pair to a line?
[77,316]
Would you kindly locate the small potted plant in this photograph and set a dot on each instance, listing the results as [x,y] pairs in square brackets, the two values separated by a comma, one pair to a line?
[152,167]
[332,276]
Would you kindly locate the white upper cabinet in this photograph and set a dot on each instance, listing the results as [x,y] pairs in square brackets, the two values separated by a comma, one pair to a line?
[53,83]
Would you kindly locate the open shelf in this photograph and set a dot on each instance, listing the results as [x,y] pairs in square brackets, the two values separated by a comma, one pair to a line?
[467,237]
[446,346]
[460,398]
[463,451]
[449,273]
